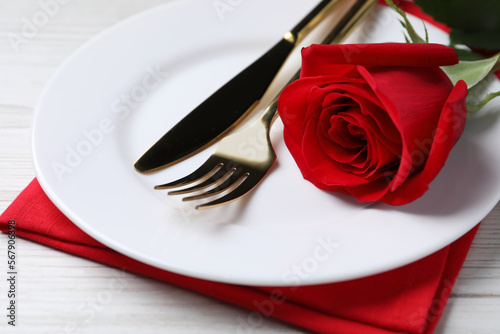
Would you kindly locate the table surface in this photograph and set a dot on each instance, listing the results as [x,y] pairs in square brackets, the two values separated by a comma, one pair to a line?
[60,293]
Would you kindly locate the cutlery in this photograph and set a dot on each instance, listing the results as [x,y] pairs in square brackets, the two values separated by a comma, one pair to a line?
[225,108]
[237,166]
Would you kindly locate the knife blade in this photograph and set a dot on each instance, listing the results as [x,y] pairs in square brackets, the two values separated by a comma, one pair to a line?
[226,108]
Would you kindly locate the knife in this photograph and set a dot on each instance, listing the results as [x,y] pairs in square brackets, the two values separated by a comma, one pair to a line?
[225,108]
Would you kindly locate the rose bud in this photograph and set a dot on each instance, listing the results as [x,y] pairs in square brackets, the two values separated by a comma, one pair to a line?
[376,121]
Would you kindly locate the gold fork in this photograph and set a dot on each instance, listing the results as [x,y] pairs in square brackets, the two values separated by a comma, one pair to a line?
[238,165]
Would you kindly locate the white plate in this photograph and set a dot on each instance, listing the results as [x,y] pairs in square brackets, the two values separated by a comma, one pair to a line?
[120,92]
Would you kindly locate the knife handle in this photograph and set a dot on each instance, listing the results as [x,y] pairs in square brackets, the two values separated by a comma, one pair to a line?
[226,108]
[336,36]
[310,21]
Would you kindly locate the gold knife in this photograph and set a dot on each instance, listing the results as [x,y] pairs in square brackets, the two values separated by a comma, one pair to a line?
[224,109]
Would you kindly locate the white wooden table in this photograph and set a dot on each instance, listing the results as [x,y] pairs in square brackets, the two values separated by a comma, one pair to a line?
[58,293]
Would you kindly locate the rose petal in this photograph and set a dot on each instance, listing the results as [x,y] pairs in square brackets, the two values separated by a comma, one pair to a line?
[322,166]
[296,152]
[337,140]
[449,129]
[370,192]
[296,95]
[370,105]
[332,59]
[414,105]
[386,150]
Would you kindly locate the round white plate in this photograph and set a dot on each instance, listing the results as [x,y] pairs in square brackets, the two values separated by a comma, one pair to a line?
[120,92]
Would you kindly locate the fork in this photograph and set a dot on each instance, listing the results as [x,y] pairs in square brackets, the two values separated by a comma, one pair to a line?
[241,160]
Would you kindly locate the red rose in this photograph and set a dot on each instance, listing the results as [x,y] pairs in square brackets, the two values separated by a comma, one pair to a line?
[376,121]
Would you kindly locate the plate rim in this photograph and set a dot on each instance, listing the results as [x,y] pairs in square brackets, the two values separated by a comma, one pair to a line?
[68,211]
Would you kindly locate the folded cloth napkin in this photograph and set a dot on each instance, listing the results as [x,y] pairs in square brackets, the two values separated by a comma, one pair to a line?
[409,299]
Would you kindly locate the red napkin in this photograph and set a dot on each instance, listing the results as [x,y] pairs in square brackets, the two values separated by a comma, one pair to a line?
[409,299]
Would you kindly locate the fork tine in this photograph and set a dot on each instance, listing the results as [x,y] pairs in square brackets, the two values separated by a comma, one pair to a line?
[243,188]
[232,181]
[216,179]
[206,170]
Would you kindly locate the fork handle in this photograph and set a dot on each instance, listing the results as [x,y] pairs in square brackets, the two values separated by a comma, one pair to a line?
[310,21]
[336,36]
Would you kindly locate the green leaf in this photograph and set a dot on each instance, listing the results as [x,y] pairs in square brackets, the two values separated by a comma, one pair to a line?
[474,108]
[468,55]
[483,40]
[473,23]
[415,38]
[471,72]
